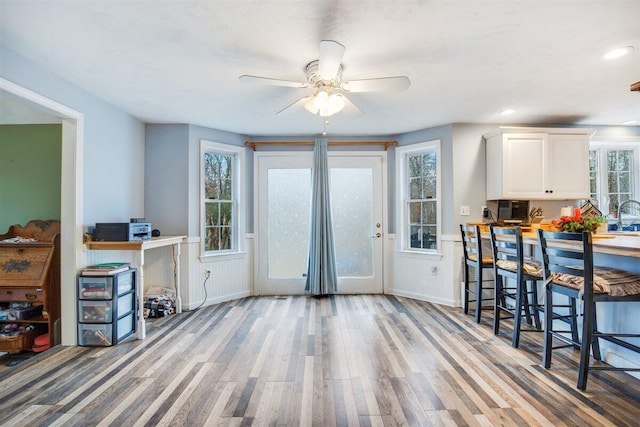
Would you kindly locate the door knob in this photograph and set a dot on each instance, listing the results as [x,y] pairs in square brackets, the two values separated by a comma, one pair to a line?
[378,235]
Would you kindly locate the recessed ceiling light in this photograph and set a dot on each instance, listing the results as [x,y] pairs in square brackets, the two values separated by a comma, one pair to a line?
[631,122]
[618,52]
[507,111]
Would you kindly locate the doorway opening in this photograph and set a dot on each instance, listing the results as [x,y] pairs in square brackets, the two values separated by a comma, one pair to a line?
[71,197]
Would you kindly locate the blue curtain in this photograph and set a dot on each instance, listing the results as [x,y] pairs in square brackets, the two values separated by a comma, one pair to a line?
[321,273]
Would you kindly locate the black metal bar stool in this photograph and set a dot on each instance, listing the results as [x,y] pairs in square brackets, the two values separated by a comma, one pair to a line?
[568,269]
[473,257]
[517,298]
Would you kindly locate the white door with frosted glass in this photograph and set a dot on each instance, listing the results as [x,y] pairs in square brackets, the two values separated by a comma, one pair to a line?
[283,193]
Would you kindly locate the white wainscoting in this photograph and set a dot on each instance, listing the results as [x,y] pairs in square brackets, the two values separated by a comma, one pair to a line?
[231,275]
[433,278]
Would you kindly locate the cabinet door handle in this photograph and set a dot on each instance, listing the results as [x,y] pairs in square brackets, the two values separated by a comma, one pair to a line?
[31,295]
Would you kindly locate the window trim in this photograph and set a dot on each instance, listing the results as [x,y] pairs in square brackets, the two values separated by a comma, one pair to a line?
[608,144]
[238,196]
[402,200]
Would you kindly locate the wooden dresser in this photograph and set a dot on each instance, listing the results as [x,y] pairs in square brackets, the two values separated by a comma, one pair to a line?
[30,271]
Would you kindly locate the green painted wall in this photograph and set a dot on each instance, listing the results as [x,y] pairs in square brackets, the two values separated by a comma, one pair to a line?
[30,159]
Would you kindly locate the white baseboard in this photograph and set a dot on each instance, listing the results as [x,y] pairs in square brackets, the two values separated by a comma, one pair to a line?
[619,361]
[421,297]
[216,300]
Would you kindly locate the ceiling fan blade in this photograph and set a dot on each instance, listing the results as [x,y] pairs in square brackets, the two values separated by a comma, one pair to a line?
[273,82]
[383,84]
[293,106]
[351,109]
[331,53]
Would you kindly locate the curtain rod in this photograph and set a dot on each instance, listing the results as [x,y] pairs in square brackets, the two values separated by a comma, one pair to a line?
[387,144]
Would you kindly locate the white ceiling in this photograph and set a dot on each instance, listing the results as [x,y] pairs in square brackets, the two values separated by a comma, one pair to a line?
[179,61]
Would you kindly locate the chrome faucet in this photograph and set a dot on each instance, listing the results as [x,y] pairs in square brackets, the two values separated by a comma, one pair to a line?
[626,202]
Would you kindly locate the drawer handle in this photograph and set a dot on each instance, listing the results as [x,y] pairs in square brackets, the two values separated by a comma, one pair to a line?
[30,296]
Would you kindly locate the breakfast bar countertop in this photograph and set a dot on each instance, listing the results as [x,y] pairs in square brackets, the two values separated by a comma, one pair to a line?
[625,244]
[622,244]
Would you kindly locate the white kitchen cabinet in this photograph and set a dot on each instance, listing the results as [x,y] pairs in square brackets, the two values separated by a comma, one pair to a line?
[537,163]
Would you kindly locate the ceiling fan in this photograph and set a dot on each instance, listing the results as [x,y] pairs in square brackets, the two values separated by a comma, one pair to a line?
[324,75]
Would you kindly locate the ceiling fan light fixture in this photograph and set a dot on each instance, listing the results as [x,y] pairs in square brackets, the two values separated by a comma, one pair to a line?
[310,105]
[325,103]
[324,75]
[322,99]
[335,104]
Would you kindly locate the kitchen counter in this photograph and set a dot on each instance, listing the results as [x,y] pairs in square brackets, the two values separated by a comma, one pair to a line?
[621,244]
[625,244]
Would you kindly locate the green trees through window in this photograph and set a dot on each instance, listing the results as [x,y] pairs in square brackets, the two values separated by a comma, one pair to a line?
[219,206]
[422,200]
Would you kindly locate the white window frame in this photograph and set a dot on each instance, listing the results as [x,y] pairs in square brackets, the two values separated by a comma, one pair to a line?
[601,147]
[238,197]
[402,192]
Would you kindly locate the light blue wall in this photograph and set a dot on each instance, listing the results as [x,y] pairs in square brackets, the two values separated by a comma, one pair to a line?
[172,177]
[166,178]
[113,158]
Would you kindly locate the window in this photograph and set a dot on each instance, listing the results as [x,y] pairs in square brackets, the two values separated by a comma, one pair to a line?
[613,174]
[419,167]
[220,195]
[593,176]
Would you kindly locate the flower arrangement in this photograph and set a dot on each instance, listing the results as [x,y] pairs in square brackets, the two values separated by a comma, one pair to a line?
[578,224]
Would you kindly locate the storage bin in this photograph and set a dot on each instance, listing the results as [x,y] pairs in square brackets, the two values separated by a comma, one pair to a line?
[125,304]
[95,287]
[99,334]
[102,311]
[95,311]
[107,308]
[126,326]
[102,287]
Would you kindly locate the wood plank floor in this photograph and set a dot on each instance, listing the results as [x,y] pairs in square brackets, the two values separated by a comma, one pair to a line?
[289,361]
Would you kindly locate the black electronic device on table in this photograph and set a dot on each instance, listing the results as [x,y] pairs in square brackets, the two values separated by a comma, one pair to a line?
[122,231]
[514,212]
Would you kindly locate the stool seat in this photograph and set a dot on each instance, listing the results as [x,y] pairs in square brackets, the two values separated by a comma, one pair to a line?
[606,280]
[485,260]
[530,267]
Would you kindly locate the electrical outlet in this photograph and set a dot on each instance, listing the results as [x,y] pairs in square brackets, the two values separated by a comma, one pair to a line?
[464,210]
[484,212]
